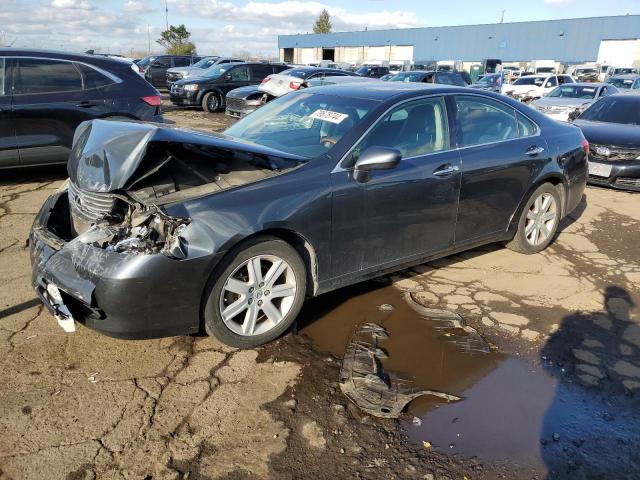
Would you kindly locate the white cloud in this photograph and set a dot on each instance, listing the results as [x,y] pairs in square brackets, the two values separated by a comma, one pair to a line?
[138,6]
[216,25]
[72,4]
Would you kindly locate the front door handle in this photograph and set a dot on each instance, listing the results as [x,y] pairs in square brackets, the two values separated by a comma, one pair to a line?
[445,170]
[86,104]
[534,150]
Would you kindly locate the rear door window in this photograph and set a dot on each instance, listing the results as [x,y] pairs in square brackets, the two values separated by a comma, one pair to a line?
[526,127]
[483,120]
[93,78]
[239,74]
[552,82]
[36,75]
[259,72]
[3,89]
[181,61]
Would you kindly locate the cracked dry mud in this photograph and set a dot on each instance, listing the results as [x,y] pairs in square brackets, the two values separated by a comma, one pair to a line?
[85,406]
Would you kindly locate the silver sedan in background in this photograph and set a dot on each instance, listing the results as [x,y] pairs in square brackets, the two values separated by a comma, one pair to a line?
[570,100]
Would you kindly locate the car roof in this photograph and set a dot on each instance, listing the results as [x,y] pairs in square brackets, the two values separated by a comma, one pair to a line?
[103,61]
[626,76]
[583,84]
[381,91]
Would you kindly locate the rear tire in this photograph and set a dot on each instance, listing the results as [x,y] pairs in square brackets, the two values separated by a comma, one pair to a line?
[211,102]
[256,293]
[538,222]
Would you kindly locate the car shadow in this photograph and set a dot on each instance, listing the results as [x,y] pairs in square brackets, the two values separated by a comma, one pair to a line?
[574,216]
[45,173]
[595,356]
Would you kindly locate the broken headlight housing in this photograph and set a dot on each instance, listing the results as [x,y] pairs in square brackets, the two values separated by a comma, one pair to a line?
[146,234]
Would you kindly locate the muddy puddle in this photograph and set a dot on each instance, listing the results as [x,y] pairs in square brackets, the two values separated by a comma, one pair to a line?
[512,411]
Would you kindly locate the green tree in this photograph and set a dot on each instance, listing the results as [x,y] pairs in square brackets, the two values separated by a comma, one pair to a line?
[323,23]
[176,41]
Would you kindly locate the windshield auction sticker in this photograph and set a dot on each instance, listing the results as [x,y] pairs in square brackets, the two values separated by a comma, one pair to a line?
[329,116]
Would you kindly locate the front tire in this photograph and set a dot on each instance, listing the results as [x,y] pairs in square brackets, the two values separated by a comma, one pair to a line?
[256,294]
[538,222]
[211,102]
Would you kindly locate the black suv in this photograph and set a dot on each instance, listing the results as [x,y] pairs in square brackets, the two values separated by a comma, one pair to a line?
[444,78]
[44,95]
[210,89]
[155,67]
[372,71]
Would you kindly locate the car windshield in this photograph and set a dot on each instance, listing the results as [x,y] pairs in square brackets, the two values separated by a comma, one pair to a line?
[624,71]
[615,109]
[586,71]
[363,70]
[407,77]
[216,71]
[205,62]
[489,79]
[297,72]
[621,82]
[546,70]
[146,61]
[395,68]
[529,81]
[302,123]
[573,92]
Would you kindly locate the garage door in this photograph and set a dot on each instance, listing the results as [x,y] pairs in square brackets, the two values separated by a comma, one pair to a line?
[376,53]
[352,54]
[307,55]
[402,52]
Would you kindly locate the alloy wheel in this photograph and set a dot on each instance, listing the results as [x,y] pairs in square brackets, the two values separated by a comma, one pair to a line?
[541,219]
[258,295]
[212,103]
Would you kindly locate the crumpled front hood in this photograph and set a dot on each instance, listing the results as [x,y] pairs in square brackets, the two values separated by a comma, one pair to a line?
[108,155]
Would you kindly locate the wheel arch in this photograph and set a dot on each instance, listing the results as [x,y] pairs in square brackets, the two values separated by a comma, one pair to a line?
[554,179]
[299,242]
[215,90]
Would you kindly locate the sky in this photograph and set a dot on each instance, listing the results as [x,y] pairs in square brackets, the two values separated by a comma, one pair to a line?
[231,27]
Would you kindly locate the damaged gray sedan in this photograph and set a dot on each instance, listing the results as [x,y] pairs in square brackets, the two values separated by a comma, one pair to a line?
[163,231]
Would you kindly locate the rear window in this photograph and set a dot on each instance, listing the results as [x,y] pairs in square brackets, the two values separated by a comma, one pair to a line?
[530,81]
[298,73]
[621,82]
[93,78]
[573,92]
[407,77]
[624,110]
[2,76]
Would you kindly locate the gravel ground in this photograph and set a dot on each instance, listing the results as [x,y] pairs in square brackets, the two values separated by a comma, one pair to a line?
[81,406]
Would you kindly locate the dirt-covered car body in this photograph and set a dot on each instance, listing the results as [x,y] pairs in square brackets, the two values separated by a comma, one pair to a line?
[151,211]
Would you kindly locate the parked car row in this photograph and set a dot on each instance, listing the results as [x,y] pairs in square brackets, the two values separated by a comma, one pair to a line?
[422,171]
[45,95]
[324,187]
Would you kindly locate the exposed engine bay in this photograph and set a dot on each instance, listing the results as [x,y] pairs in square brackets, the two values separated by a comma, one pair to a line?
[121,173]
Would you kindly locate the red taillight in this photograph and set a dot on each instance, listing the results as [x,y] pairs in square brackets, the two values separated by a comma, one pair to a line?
[265,80]
[585,146]
[140,69]
[153,100]
[294,85]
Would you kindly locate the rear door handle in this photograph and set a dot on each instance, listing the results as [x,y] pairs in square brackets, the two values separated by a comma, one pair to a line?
[534,150]
[86,104]
[445,170]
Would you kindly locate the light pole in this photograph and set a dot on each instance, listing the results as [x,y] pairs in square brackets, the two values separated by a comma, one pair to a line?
[148,41]
[166,13]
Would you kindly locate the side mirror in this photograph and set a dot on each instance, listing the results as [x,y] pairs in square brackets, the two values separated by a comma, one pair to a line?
[228,77]
[375,158]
